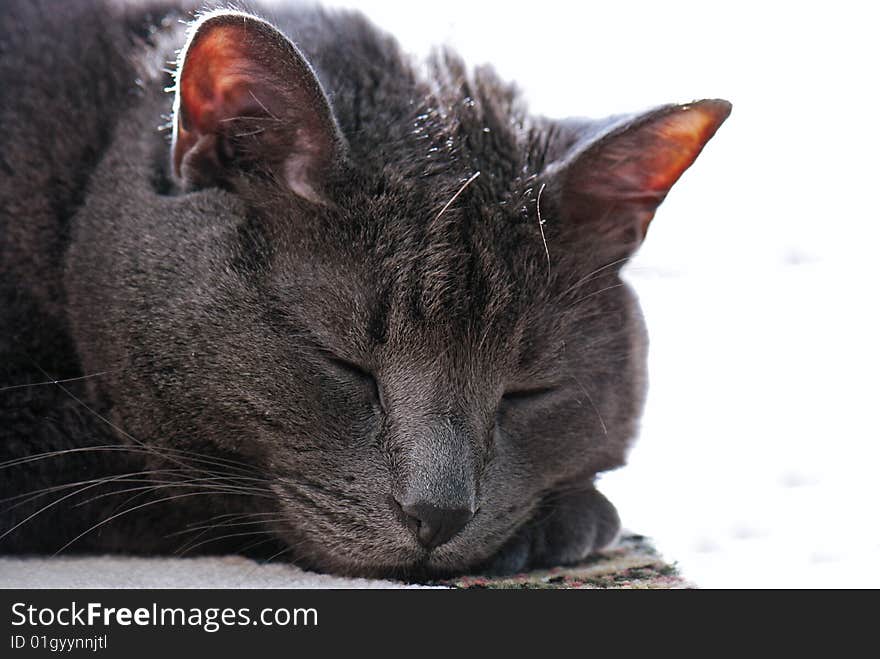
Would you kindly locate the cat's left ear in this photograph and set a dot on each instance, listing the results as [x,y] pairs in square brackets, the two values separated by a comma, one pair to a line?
[613,182]
[247,100]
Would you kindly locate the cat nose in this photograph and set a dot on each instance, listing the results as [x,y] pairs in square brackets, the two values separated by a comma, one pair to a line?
[433,525]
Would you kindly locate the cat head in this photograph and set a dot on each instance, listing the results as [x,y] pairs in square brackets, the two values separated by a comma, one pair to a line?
[402,300]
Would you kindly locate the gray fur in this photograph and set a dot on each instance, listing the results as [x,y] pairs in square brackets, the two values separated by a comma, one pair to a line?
[247,323]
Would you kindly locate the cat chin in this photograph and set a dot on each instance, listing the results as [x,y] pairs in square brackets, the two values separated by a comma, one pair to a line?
[393,560]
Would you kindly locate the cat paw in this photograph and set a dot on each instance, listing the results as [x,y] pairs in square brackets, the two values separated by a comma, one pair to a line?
[567,528]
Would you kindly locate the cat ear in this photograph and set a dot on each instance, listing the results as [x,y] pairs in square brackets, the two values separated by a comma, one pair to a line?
[615,180]
[247,100]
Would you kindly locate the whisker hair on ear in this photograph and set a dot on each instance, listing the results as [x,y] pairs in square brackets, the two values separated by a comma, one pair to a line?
[541,227]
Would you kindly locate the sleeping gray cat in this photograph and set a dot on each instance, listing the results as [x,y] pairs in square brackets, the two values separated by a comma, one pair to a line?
[338,310]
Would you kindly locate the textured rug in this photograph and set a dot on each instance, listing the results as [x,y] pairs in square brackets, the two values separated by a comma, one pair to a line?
[632,564]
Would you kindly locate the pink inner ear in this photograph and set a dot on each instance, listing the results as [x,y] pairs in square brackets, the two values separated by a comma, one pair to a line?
[644,160]
[679,138]
[212,82]
[615,184]
[248,99]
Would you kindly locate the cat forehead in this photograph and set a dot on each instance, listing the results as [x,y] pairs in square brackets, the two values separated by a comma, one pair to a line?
[446,264]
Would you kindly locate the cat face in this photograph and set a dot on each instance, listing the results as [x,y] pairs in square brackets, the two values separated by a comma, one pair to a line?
[415,351]
[456,377]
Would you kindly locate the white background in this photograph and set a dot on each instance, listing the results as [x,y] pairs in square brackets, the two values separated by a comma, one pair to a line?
[759,450]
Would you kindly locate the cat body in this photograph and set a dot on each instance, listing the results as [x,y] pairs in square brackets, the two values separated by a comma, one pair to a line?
[340,310]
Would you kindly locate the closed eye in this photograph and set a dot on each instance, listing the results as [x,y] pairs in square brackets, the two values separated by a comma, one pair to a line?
[359,373]
[527,394]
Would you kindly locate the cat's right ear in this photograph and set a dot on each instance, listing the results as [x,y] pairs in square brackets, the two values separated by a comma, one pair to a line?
[611,184]
[246,100]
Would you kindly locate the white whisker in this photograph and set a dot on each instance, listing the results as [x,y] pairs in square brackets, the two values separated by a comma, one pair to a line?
[541,227]
[131,510]
[593,404]
[39,384]
[456,195]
